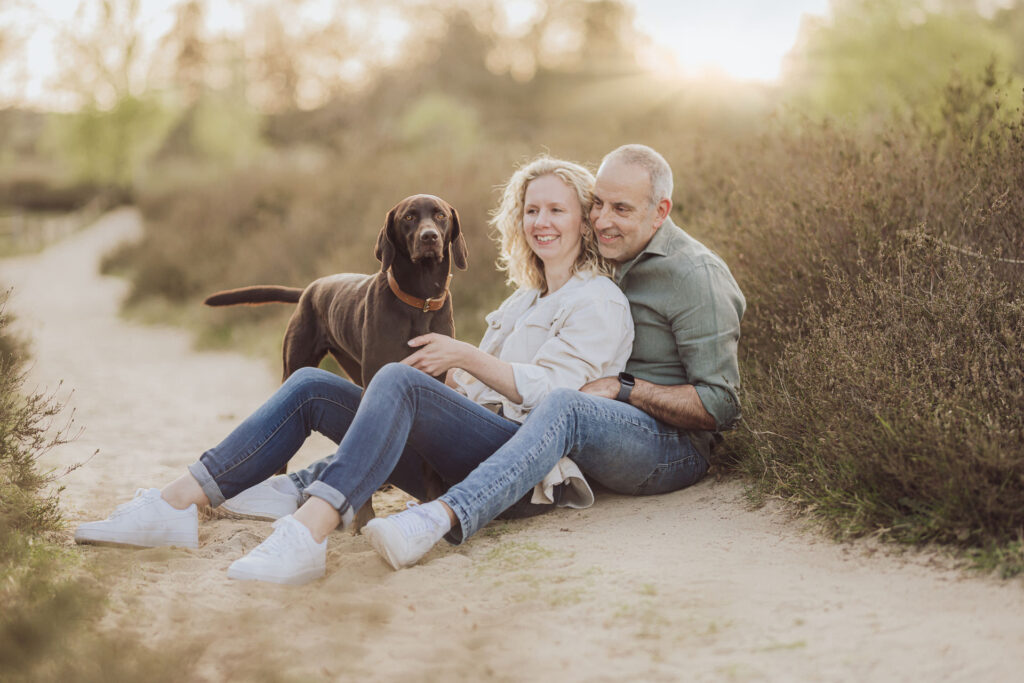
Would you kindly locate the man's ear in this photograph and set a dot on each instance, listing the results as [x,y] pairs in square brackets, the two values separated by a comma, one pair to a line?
[458,244]
[385,249]
[664,207]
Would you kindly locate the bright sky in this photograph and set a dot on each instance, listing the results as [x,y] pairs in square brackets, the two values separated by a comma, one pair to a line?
[745,39]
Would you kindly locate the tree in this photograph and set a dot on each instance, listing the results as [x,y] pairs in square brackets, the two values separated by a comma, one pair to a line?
[104,66]
[880,55]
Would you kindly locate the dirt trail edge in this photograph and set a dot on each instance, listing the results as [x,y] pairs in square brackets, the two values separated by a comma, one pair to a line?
[687,586]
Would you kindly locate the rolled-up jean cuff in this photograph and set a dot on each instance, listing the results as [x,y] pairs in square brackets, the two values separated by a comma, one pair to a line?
[332,496]
[458,533]
[207,483]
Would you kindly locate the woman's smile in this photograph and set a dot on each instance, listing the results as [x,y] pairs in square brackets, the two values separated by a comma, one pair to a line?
[553,223]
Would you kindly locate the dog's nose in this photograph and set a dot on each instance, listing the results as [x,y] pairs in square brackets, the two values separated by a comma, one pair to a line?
[430,236]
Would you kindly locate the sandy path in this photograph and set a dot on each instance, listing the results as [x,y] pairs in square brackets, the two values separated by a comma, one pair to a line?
[685,586]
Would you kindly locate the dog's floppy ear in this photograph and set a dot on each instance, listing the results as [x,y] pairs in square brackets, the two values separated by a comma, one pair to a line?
[458,244]
[385,250]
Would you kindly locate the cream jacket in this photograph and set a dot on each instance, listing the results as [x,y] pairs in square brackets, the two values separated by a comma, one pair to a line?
[577,334]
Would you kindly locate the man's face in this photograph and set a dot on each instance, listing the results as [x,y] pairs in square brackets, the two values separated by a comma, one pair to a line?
[622,215]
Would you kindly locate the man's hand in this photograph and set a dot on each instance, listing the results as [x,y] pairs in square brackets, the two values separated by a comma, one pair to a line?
[606,387]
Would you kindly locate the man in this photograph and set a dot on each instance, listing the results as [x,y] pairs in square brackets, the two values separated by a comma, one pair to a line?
[651,429]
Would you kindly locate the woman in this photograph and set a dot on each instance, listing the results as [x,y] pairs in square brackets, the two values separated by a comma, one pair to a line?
[566,324]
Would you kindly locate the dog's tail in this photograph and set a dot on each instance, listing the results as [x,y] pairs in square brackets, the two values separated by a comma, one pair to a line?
[260,294]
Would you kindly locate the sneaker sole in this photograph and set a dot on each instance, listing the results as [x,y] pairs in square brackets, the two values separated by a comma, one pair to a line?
[296,580]
[234,514]
[120,541]
[378,532]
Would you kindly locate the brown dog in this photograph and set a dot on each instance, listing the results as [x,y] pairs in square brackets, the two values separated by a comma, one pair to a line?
[364,321]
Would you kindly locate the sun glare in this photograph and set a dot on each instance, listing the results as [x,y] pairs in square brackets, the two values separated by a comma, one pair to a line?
[742,40]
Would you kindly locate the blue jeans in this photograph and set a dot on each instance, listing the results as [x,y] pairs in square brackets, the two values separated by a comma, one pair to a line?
[615,444]
[403,419]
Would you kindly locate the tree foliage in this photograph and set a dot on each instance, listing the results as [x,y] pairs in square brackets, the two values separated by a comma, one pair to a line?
[872,57]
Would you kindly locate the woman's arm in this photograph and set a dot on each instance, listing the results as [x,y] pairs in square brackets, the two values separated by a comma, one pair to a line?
[438,354]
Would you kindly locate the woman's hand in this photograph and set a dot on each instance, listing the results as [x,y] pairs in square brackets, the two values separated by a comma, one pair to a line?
[437,353]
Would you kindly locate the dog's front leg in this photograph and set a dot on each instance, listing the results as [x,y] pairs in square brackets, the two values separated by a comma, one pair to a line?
[364,515]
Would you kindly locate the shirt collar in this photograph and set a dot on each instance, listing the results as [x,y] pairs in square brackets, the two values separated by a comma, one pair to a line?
[657,246]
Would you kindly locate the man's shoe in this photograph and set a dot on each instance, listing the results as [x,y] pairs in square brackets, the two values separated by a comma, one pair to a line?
[146,521]
[267,500]
[404,538]
[289,555]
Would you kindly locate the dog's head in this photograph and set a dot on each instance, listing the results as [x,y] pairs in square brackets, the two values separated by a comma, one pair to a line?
[421,227]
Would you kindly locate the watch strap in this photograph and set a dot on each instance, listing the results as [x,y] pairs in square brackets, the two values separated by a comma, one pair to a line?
[626,384]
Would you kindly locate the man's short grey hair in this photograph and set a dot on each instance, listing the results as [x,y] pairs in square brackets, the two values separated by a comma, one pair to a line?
[652,162]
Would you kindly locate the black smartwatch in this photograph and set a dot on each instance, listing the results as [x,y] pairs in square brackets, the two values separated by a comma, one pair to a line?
[626,384]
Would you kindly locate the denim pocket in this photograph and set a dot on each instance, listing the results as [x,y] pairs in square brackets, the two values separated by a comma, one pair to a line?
[673,476]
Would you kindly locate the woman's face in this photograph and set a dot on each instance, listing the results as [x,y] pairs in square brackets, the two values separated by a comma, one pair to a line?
[553,222]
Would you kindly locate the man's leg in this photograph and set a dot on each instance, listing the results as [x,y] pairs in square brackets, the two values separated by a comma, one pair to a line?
[616,444]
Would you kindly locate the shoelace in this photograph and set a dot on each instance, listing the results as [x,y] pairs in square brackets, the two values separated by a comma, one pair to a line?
[414,521]
[278,543]
[135,503]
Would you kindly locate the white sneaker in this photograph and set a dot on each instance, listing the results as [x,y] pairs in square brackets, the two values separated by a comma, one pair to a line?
[270,499]
[289,555]
[146,521]
[404,538]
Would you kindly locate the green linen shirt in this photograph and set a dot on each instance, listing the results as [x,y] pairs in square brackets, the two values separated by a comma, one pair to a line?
[686,310]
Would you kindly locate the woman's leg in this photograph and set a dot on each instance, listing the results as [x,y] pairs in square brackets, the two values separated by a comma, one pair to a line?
[402,410]
[405,410]
[310,400]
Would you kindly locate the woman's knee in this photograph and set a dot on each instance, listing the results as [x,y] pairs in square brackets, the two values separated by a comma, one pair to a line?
[397,377]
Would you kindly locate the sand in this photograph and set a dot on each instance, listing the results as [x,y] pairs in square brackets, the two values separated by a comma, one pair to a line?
[688,586]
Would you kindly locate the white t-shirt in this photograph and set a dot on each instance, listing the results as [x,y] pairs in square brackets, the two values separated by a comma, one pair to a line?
[577,334]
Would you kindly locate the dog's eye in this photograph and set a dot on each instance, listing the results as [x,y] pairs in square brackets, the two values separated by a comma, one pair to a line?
[409,217]
[440,216]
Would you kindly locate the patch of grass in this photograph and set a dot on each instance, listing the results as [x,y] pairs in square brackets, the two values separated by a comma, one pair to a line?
[509,555]
[1007,559]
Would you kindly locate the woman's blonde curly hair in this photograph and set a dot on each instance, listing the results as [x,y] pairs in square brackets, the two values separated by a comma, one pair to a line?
[524,268]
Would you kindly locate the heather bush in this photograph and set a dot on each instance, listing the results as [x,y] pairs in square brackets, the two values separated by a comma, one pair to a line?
[883,358]
[897,409]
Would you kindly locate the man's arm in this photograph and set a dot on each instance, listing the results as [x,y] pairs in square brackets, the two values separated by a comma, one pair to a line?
[677,405]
